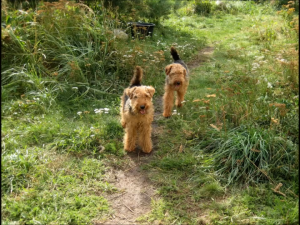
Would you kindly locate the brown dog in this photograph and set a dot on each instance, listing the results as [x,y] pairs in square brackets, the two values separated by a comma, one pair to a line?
[137,113]
[177,79]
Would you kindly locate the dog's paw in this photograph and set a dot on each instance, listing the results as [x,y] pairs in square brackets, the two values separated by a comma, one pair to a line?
[129,150]
[166,115]
[147,150]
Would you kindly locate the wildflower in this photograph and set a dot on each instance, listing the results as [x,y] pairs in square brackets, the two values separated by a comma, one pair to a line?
[75,88]
[79,113]
[255,66]
[270,85]
[196,100]
[283,60]
[101,110]
[175,112]
[98,111]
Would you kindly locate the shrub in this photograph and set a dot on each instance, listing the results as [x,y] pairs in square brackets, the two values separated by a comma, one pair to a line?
[203,7]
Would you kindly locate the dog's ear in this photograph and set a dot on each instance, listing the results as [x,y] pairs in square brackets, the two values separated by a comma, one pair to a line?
[129,92]
[168,69]
[150,90]
[184,72]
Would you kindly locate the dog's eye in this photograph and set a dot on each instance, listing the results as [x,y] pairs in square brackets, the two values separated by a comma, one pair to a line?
[135,96]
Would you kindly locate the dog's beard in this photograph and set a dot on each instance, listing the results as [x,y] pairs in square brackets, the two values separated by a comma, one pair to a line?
[176,85]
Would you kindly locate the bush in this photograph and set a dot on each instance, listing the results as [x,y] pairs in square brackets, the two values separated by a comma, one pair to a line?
[203,7]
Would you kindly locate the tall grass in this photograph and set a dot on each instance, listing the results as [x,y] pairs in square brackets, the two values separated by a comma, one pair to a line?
[68,43]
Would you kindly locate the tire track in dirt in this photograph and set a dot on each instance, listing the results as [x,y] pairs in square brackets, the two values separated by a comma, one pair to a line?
[135,189]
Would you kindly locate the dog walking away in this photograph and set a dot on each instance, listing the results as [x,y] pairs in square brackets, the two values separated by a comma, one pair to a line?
[137,113]
[177,80]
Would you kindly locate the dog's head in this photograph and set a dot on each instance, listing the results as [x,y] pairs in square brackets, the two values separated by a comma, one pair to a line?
[140,98]
[176,75]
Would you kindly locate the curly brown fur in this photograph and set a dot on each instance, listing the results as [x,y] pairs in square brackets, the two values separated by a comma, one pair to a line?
[177,80]
[137,113]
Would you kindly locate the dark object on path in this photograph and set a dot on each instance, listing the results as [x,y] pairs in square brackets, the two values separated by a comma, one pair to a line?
[141,30]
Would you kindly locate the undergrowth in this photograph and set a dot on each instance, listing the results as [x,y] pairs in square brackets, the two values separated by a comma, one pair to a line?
[235,139]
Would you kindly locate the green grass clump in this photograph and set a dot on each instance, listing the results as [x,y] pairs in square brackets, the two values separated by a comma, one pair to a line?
[55,184]
[254,155]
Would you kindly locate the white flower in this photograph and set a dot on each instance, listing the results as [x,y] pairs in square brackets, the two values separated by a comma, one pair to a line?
[259,57]
[79,113]
[175,112]
[75,88]
[101,110]
[92,136]
[98,111]
[269,85]
[255,66]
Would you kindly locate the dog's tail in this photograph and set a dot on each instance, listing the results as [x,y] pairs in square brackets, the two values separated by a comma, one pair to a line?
[174,54]
[137,77]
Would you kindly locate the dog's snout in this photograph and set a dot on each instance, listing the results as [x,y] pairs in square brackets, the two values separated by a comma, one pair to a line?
[142,107]
[178,83]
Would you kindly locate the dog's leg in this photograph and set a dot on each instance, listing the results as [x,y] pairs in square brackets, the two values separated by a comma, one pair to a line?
[180,97]
[168,100]
[130,138]
[145,138]
[123,123]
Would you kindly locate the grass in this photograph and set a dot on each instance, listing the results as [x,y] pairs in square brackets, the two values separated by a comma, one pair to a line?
[235,139]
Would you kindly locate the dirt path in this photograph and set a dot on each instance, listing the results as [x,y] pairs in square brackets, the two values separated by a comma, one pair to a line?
[135,189]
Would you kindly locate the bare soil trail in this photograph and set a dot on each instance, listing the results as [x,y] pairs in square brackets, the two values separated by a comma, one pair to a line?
[135,190]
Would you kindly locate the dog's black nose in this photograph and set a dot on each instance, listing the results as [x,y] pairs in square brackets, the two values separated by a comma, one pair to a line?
[142,106]
[178,83]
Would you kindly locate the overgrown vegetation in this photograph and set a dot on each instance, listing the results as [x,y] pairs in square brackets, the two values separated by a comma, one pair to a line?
[236,139]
